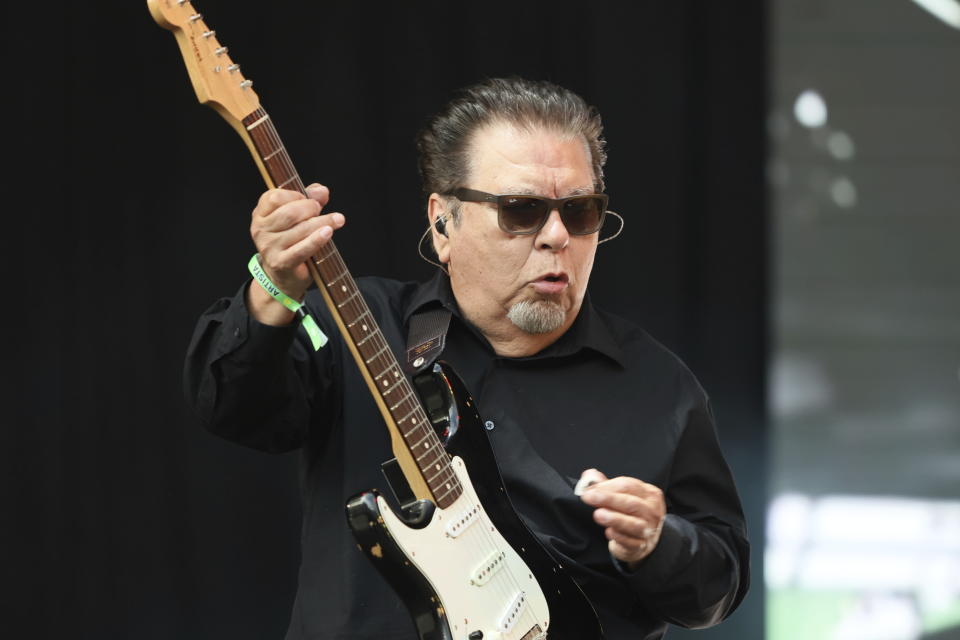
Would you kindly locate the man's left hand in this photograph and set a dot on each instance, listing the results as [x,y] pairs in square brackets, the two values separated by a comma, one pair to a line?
[631,512]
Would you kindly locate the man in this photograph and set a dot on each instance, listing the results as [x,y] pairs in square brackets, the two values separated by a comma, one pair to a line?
[568,391]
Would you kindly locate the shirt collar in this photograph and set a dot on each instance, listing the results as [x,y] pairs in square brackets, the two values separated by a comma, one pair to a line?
[589,330]
[432,293]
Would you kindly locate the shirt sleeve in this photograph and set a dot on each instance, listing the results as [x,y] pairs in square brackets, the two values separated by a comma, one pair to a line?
[700,570]
[254,384]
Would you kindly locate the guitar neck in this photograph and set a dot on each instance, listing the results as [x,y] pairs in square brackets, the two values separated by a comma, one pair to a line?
[419,451]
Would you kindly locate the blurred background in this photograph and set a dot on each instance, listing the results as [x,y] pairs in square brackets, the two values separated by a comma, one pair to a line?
[788,171]
[864,513]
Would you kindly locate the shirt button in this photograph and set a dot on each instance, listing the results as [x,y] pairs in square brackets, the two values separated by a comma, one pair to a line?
[236,332]
[489,425]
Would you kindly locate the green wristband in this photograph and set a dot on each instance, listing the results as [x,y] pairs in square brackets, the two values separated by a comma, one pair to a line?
[317,337]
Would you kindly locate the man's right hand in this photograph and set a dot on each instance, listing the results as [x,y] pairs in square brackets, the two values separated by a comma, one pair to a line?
[287,229]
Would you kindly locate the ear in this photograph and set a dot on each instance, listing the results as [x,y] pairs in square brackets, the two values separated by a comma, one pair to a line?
[437,207]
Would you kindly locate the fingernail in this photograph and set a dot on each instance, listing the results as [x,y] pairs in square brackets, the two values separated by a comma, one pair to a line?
[326,232]
[338,218]
[583,484]
[601,516]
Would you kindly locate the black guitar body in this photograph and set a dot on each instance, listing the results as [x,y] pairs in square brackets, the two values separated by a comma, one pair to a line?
[455,416]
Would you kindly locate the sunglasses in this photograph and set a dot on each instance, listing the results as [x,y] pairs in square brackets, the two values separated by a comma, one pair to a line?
[524,215]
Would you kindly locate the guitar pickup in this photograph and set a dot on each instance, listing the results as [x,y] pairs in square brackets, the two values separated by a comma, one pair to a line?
[483,573]
[512,614]
[456,526]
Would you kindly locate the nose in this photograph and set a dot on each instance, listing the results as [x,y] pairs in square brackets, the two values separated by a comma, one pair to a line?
[553,236]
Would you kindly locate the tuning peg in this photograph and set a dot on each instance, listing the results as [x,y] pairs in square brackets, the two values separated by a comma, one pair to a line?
[195,17]
[209,34]
[234,67]
[246,84]
[220,51]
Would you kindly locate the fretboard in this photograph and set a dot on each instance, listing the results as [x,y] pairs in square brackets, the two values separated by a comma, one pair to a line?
[359,329]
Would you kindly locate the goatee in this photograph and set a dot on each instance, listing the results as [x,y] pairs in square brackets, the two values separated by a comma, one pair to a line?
[537,316]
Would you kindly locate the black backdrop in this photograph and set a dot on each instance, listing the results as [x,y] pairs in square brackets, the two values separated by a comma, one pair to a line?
[127,212]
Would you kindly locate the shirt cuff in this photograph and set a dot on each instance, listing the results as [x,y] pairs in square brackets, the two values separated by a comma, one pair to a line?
[650,574]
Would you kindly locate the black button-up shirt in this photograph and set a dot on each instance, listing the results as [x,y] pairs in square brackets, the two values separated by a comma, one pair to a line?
[604,395]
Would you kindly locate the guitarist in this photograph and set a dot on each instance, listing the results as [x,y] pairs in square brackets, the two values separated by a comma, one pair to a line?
[569,392]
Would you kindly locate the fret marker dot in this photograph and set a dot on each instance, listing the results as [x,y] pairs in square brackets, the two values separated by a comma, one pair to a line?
[437,467]
[364,327]
[448,485]
[343,287]
[384,383]
[414,421]
[426,445]
[396,374]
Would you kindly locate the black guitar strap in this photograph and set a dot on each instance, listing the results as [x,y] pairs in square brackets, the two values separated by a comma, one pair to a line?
[426,338]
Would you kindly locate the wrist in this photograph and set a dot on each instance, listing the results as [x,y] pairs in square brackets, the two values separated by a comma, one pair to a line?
[270,314]
[265,309]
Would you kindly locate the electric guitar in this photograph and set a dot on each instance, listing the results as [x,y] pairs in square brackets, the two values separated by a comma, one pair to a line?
[455,550]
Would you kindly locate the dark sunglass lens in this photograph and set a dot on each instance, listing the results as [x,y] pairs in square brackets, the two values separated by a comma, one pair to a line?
[519,214]
[582,215]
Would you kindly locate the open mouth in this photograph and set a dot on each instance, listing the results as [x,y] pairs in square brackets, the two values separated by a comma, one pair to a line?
[551,283]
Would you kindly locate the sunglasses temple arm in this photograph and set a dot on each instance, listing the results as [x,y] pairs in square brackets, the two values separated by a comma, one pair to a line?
[619,231]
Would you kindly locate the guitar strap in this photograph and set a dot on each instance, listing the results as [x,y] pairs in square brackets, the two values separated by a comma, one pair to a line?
[426,338]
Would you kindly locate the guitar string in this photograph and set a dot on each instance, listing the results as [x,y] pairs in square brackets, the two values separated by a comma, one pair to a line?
[503,587]
[509,588]
[286,164]
[488,539]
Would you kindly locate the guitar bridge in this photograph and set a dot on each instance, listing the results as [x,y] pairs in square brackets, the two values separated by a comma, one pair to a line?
[536,633]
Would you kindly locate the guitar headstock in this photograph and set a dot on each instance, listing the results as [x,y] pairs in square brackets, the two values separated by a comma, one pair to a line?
[215,76]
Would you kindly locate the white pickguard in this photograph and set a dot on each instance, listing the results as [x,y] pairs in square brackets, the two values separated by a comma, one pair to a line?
[480,579]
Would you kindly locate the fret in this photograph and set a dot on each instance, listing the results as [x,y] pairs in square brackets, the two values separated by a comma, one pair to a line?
[404,419]
[420,441]
[360,317]
[272,155]
[339,266]
[427,430]
[396,374]
[407,396]
[372,335]
[374,356]
[352,296]
[336,280]
[285,183]
[394,386]
[450,488]
[326,257]
[426,453]
[437,474]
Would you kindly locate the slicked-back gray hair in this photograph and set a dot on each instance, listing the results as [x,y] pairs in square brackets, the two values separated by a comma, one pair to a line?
[443,143]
